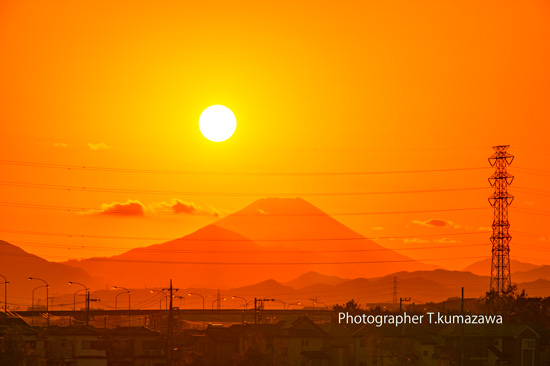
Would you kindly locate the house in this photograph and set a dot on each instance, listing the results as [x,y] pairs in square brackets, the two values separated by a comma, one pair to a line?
[340,346]
[300,342]
[498,344]
[76,345]
[135,346]
[391,345]
[16,336]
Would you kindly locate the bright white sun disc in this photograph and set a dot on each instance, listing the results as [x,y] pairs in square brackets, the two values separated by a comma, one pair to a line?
[217,123]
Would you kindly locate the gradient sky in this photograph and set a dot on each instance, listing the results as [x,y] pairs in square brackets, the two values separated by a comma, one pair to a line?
[349,87]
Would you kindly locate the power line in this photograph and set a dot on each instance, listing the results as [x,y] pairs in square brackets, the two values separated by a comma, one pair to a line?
[539,192]
[532,212]
[155,171]
[91,236]
[145,261]
[544,261]
[123,212]
[538,248]
[533,235]
[80,236]
[240,194]
[206,251]
[539,172]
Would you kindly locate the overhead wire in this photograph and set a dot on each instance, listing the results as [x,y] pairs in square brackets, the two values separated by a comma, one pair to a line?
[157,171]
[125,212]
[93,236]
[217,251]
[223,194]
[145,261]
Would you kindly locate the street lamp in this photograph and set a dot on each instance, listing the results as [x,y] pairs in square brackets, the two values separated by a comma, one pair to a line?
[181,298]
[74,296]
[243,299]
[47,293]
[193,293]
[127,292]
[5,293]
[319,302]
[294,303]
[284,303]
[215,301]
[87,299]
[47,286]
[165,298]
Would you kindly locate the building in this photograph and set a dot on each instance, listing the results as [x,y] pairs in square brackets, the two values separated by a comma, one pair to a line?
[135,346]
[498,344]
[294,343]
[76,345]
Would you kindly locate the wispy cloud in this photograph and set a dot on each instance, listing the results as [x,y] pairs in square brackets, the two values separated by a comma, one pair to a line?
[378,228]
[177,206]
[447,241]
[437,223]
[130,207]
[415,241]
[98,146]
[137,208]
[60,144]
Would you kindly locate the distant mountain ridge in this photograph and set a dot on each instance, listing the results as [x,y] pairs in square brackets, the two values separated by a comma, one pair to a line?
[278,238]
[17,266]
[483,267]
[306,288]
[314,278]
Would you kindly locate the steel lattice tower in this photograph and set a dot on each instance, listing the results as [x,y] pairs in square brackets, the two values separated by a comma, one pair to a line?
[500,200]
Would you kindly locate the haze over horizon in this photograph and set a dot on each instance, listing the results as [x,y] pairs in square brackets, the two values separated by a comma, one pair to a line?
[381,117]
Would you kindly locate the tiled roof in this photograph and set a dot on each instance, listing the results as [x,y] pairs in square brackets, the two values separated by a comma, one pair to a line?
[315,355]
[73,330]
[133,331]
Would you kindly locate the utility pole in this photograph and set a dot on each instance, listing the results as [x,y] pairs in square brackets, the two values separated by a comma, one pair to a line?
[462,330]
[255,311]
[88,313]
[88,299]
[87,306]
[395,289]
[402,300]
[500,200]
[259,304]
[170,328]
[5,294]
[218,301]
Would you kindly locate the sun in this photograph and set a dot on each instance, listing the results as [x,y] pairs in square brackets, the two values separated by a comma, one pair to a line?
[217,123]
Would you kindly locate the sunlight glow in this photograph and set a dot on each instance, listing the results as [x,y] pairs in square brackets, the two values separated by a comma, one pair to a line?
[217,123]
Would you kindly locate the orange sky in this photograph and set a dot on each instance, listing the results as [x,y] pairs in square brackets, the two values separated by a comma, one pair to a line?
[353,87]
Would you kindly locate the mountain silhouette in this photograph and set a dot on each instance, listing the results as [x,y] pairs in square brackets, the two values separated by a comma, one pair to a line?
[483,267]
[17,266]
[154,265]
[296,223]
[314,278]
[273,238]
[540,272]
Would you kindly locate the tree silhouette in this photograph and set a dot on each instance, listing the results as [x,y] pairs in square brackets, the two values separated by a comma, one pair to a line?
[14,351]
